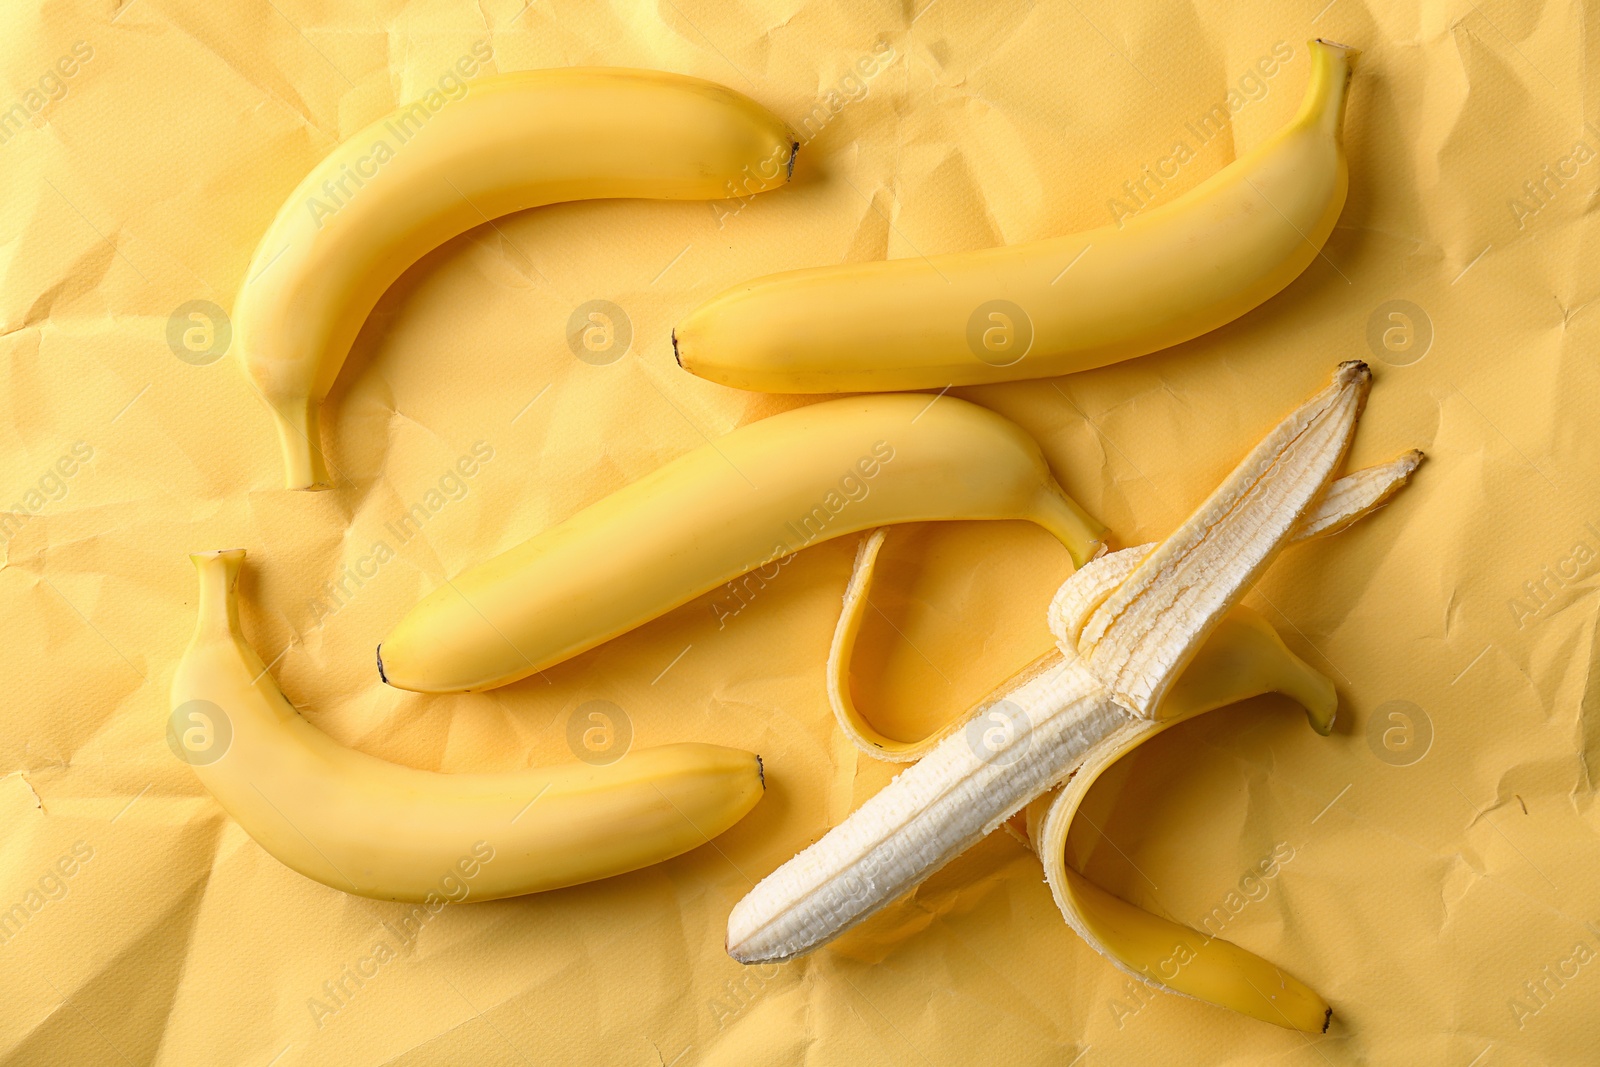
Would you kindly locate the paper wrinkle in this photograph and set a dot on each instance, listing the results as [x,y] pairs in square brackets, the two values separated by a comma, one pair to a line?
[22,775]
[246,63]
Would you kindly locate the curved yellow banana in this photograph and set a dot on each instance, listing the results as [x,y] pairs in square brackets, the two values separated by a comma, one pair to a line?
[748,500]
[434,169]
[1001,314]
[377,829]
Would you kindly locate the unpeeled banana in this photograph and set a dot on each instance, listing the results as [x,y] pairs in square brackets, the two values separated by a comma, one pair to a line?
[1049,307]
[423,174]
[377,829]
[1082,711]
[746,501]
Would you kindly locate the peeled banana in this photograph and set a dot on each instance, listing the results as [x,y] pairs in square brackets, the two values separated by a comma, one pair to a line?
[745,501]
[377,829]
[1061,714]
[1049,307]
[417,177]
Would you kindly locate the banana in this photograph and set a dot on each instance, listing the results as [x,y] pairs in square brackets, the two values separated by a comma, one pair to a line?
[748,500]
[1048,307]
[376,829]
[1060,714]
[434,169]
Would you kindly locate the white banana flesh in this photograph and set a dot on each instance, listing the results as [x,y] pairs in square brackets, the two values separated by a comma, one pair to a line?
[1140,637]
[1018,747]
[417,177]
[377,829]
[953,798]
[1060,715]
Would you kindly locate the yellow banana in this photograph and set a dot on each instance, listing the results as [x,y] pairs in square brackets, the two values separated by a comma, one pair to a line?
[1060,714]
[1049,307]
[377,829]
[748,500]
[436,168]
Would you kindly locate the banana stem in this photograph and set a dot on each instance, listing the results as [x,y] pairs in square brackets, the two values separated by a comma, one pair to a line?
[1329,88]
[300,436]
[218,614]
[1081,533]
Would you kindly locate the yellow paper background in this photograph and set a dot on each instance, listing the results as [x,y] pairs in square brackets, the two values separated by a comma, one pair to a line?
[1419,898]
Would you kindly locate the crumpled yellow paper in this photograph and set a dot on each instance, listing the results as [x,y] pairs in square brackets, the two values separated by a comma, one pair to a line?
[1434,863]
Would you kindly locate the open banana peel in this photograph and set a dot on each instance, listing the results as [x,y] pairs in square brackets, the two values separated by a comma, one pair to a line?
[1147,637]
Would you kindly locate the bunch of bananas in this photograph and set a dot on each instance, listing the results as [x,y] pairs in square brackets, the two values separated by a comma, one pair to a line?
[1147,636]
